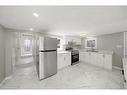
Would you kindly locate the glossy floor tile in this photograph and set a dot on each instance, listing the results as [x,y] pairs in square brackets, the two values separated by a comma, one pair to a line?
[79,76]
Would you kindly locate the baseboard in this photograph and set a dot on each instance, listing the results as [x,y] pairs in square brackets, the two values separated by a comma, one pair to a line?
[115,67]
[6,78]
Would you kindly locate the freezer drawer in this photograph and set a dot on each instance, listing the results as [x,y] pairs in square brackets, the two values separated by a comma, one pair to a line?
[47,64]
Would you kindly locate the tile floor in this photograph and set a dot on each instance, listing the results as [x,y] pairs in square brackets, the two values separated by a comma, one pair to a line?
[79,76]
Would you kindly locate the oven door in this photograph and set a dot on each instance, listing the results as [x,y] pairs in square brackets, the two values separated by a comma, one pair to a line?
[75,58]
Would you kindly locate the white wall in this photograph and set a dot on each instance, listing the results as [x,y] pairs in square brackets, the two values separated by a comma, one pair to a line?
[2,55]
[125,44]
[113,42]
[8,52]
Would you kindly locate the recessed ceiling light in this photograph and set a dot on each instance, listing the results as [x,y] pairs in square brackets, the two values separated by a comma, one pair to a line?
[35,14]
[31,29]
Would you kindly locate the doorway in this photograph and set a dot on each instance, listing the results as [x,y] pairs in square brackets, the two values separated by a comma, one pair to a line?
[25,48]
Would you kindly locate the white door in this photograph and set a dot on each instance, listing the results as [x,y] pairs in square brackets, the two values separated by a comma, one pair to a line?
[60,61]
[82,56]
[87,57]
[67,59]
[94,58]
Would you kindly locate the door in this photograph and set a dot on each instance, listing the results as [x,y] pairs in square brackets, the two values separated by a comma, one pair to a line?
[50,43]
[82,56]
[47,64]
[100,60]
[67,59]
[93,58]
[50,63]
[87,57]
[60,60]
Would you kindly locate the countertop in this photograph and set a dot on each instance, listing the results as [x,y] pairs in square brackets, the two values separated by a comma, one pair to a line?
[58,52]
[100,51]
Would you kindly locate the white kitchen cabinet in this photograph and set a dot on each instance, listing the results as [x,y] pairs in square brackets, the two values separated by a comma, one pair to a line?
[108,61]
[76,40]
[88,57]
[63,60]
[98,59]
[85,57]
[82,56]
[94,58]
[59,61]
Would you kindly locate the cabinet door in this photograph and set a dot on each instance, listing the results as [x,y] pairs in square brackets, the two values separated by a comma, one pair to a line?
[86,57]
[77,40]
[100,60]
[108,61]
[94,58]
[67,59]
[60,61]
[82,56]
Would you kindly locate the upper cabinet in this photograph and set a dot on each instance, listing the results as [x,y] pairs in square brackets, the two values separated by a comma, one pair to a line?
[71,40]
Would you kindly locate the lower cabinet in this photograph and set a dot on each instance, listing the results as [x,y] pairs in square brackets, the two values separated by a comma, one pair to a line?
[98,59]
[108,61]
[63,60]
[82,56]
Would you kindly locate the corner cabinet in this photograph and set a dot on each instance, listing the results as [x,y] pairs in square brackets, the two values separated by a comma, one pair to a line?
[98,59]
[63,60]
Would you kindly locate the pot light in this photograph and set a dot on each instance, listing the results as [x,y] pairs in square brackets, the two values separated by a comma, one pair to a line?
[35,14]
[31,29]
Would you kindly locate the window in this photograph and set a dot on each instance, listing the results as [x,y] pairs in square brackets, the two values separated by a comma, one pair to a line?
[26,44]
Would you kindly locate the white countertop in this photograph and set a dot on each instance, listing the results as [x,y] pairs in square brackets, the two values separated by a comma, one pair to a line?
[63,52]
[101,51]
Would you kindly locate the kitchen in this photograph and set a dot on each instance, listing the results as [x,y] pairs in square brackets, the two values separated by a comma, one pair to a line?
[88,56]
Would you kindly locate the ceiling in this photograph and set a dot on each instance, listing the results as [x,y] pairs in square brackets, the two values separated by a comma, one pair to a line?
[66,20]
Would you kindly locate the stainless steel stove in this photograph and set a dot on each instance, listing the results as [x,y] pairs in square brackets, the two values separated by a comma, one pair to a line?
[74,57]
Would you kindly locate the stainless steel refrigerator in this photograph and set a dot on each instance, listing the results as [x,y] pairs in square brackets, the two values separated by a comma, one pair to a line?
[47,64]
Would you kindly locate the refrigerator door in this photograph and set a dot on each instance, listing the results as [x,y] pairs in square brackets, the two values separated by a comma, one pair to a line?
[46,43]
[47,64]
[50,43]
